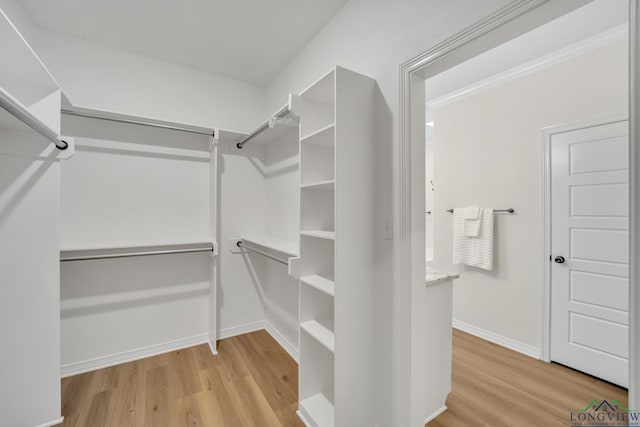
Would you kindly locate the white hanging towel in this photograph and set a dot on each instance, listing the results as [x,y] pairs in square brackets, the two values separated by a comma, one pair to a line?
[476,251]
[472,221]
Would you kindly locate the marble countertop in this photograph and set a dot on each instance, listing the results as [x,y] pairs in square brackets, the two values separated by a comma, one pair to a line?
[433,277]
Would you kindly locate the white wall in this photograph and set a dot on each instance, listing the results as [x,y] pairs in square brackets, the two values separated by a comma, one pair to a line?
[129,185]
[488,152]
[374,37]
[97,76]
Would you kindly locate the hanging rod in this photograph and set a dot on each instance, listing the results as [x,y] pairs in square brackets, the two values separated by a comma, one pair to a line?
[280,114]
[94,114]
[89,256]
[241,244]
[22,113]
[510,210]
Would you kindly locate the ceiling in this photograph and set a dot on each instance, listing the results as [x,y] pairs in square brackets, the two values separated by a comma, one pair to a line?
[247,40]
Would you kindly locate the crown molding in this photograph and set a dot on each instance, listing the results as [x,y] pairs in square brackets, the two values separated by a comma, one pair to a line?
[587,45]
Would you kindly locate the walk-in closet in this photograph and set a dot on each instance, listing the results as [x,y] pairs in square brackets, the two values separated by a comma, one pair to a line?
[136,237]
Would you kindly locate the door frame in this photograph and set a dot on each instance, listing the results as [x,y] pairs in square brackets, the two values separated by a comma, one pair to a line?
[514,19]
[547,134]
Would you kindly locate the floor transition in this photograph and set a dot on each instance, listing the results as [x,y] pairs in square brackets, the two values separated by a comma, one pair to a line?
[253,382]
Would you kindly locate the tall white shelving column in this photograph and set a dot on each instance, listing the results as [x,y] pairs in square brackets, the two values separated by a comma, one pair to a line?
[336,250]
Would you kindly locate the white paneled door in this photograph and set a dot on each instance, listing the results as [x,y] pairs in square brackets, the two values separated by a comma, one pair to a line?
[590,250]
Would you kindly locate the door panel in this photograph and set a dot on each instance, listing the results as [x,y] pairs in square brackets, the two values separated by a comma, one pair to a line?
[589,291]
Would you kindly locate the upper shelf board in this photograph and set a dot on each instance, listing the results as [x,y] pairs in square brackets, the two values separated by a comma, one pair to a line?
[323,90]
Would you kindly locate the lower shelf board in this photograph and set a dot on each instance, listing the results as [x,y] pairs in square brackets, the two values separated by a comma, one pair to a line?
[323,335]
[320,283]
[321,234]
[317,411]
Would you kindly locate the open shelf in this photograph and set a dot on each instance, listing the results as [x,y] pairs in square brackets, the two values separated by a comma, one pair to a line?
[317,411]
[321,334]
[321,234]
[320,185]
[320,283]
[118,250]
[82,111]
[286,247]
[322,90]
[324,136]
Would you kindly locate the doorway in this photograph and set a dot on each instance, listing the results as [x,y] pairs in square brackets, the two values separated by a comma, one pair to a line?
[443,57]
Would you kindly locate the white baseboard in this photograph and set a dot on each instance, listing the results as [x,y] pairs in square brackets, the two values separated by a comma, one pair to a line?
[280,339]
[131,355]
[435,414]
[511,344]
[153,350]
[241,329]
[52,423]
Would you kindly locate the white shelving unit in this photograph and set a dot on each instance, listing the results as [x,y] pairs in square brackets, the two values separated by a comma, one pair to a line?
[336,256]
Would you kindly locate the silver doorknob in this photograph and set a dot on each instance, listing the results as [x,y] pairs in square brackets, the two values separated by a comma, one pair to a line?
[559,259]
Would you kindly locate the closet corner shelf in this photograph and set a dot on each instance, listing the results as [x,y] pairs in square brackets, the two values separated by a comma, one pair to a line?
[321,234]
[320,185]
[321,334]
[320,283]
[323,136]
[317,411]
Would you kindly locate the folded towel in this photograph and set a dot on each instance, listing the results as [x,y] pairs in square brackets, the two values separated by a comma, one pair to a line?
[474,251]
[472,220]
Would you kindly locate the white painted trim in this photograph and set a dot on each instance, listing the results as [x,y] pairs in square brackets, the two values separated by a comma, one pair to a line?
[280,339]
[501,340]
[131,355]
[435,414]
[52,423]
[241,329]
[592,43]
[634,204]
[547,134]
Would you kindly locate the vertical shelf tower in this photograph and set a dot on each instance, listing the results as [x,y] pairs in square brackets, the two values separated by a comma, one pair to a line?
[336,264]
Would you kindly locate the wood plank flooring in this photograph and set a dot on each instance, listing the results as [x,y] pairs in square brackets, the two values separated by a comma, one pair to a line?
[494,386]
[251,382]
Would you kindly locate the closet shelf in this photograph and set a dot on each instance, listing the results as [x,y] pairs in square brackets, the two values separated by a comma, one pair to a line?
[123,250]
[323,335]
[317,411]
[320,283]
[94,113]
[324,136]
[286,247]
[321,234]
[320,185]
[322,90]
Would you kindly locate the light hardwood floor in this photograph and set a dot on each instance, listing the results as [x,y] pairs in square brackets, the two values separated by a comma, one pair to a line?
[254,382]
[494,386]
